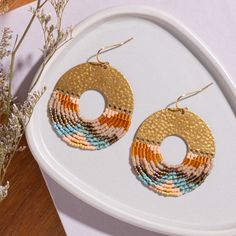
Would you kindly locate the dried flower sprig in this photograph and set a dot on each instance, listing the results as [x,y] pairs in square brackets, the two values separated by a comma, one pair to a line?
[13,117]
[3,92]
[4,6]
[5,43]
[54,35]
[13,130]
[5,52]
[14,51]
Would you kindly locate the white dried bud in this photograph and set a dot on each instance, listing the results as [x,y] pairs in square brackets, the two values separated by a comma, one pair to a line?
[47,18]
[4,191]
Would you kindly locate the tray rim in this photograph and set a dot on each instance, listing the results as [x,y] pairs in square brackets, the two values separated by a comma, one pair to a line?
[201,52]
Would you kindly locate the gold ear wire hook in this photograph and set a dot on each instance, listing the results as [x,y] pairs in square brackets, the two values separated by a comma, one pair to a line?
[187,95]
[108,48]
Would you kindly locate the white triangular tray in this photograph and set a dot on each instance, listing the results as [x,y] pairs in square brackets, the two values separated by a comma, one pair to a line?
[162,62]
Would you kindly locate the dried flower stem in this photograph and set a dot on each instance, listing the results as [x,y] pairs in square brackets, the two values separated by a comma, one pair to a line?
[11,70]
[9,161]
[44,64]
[53,40]
[14,118]
[22,115]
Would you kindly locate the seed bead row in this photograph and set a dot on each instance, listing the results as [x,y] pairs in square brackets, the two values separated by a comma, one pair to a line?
[168,180]
[79,132]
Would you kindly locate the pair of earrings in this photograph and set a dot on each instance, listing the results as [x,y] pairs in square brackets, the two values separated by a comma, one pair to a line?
[114,122]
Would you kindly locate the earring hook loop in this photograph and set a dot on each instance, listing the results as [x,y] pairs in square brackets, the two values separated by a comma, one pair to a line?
[190,94]
[108,48]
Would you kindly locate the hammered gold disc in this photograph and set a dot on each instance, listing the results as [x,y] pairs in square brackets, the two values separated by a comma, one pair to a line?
[182,123]
[102,77]
[148,163]
[113,122]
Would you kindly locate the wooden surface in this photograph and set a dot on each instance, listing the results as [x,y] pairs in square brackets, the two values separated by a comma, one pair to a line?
[16,3]
[28,210]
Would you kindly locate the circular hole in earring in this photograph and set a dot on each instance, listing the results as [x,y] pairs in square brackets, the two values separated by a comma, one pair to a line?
[173,150]
[91,104]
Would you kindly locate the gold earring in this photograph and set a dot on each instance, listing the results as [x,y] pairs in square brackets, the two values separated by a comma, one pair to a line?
[148,163]
[64,109]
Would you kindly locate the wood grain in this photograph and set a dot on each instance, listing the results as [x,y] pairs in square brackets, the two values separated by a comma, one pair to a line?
[16,3]
[28,210]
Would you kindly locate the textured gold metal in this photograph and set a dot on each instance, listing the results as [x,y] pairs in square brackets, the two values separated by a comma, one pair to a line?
[101,77]
[178,122]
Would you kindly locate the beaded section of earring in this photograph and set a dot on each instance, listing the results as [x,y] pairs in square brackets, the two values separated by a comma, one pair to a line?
[149,165]
[64,112]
